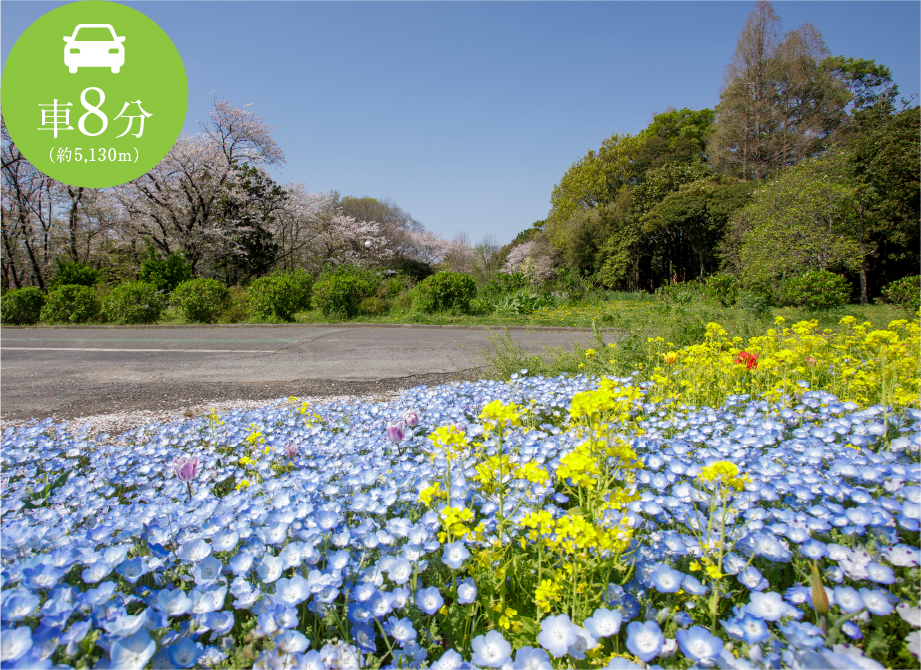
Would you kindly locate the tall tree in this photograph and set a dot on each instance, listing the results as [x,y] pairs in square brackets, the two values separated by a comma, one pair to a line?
[778,106]
[872,93]
[743,116]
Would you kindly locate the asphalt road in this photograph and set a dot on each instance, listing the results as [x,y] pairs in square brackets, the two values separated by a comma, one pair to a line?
[71,372]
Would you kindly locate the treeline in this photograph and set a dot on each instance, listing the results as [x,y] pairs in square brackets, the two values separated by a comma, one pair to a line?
[809,162]
[212,202]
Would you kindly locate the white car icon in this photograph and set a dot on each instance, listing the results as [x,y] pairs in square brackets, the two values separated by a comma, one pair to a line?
[94,45]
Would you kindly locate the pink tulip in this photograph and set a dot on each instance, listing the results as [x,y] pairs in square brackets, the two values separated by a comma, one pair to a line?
[185,468]
[411,418]
[291,449]
[396,430]
[460,425]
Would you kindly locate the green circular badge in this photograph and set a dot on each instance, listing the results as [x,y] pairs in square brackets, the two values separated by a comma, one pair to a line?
[94,94]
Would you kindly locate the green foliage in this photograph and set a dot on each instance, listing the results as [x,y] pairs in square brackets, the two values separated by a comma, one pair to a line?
[73,273]
[373,306]
[722,288]
[22,306]
[905,292]
[40,496]
[682,293]
[339,290]
[571,285]
[239,309]
[164,273]
[71,303]
[753,301]
[445,292]
[521,302]
[279,295]
[415,270]
[391,287]
[133,302]
[800,221]
[815,290]
[200,300]
[504,282]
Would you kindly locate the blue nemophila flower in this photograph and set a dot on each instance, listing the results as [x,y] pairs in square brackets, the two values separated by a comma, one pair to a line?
[96,572]
[619,663]
[802,634]
[768,606]
[133,651]
[125,624]
[18,606]
[698,644]
[848,599]
[269,569]
[557,634]
[292,592]
[490,650]
[225,540]
[584,642]
[44,576]
[379,605]
[454,554]
[364,637]
[450,660]
[400,571]
[429,600]
[644,640]
[222,622]
[184,653]
[530,658]
[400,630]
[754,630]
[466,591]
[291,642]
[603,623]
[194,551]
[664,579]
[876,602]
[14,643]
[207,571]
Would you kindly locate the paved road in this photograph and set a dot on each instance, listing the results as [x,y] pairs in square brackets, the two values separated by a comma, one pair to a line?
[78,371]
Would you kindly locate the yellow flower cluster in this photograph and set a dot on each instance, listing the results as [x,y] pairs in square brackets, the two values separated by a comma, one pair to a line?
[496,416]
[724,473]
[609,400]
[852,362]
[451,440]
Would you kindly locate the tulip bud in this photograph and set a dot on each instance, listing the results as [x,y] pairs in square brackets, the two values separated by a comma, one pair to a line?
[396,430]
[460,425]
[291,449]
[411,418]
[185,468]
[819,597]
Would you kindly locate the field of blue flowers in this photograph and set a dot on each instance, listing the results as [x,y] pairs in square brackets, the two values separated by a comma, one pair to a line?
[455,528]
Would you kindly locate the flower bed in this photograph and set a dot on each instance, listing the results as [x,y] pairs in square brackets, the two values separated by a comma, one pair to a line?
[566,522]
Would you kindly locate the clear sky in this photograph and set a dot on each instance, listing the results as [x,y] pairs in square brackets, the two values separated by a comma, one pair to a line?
[468,113]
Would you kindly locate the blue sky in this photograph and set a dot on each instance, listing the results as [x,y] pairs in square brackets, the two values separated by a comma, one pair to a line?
[467,113]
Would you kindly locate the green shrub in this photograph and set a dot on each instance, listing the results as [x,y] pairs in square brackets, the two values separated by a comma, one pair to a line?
[815,290]
[445,292]
[373,306]
[722,288]
[201,300]
[415,270]
[683,293]
[752,301]
[339,295]
[73,274]
[165,273]
[905,292]
[502,283]
[276,297]
[521,302]
[391,287]
[71,303]
[22,306]
[133,302]
[239,309]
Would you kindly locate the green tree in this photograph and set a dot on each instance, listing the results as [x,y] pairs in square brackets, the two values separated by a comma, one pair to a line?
[883,166]
[872,92]
[675,136]
[800,221]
